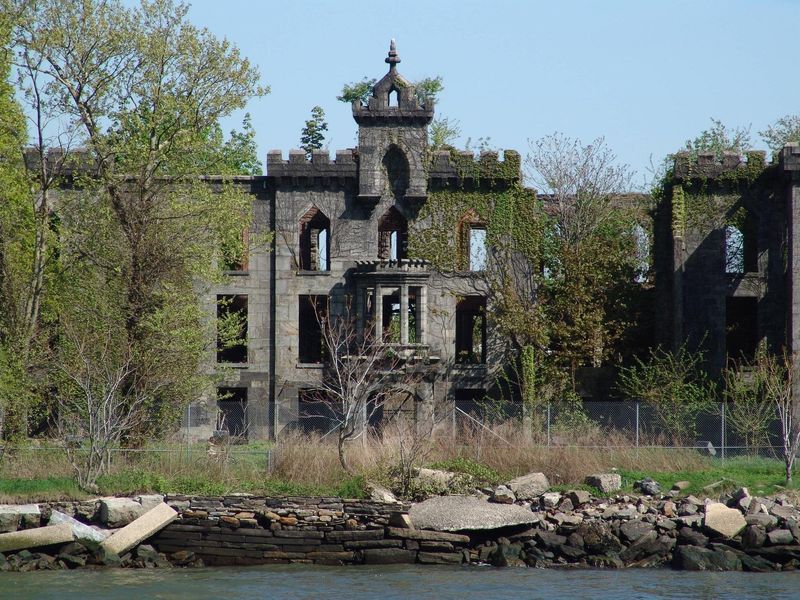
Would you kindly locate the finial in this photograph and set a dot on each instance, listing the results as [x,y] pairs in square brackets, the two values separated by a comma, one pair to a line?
[392,59]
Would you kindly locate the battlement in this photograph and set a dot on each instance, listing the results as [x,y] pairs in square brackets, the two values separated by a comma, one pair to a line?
[447,164]
[708,165]
[790,157]
[60,162]
[320,165]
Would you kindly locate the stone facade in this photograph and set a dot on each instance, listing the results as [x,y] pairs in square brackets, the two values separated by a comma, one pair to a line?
[339,233]
[726,247]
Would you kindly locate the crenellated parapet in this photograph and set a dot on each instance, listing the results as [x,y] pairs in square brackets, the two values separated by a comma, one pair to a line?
[464,165]
[790,157]
[344,166]
[61,163]
[730,166]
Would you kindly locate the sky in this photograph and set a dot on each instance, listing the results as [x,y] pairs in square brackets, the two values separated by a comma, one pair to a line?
[646,75]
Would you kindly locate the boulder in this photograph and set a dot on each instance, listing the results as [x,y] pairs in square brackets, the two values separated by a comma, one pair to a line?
[550,499]
[691,558]
[635,529]
[605,482]
[435,477]
[784,512]
[379,493]
[692,537]
[679,486]
[762,519]
[503,495]
[647,486]
[12,516]
[529,486]
[83,533]
[142,528]
[118,512]
[32,538]
[778,537]
[456,513]
[149,501]
[722,520]
[578,497]
[401,520]
[598,538]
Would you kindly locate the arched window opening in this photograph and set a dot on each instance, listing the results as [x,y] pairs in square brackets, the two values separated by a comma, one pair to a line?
[471,330]
[392,235]
[734,250]
[472,242]
[394,98]
[396,171]
[315,241]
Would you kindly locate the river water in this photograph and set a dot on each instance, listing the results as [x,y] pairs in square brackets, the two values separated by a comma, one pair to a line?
[463,583]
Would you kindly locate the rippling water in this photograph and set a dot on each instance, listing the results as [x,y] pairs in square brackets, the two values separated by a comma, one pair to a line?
[313,582]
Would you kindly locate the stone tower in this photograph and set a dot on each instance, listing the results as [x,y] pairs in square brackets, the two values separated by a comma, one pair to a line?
[392,138]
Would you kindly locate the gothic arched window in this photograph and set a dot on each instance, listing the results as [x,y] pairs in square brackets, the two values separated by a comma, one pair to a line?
[395,167]
[315,230]
[392,235]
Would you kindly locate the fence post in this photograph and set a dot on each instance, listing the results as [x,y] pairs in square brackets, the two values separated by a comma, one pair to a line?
[548,423]
[188,429]
[637,430]
[723,441]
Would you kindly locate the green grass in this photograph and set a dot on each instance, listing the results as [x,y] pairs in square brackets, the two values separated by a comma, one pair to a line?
[759,475]
[45,489]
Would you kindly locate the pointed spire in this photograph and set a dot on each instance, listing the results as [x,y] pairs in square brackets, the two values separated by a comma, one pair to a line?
[392,59]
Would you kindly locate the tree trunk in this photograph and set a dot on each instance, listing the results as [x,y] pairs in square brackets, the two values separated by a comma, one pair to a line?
[343,456]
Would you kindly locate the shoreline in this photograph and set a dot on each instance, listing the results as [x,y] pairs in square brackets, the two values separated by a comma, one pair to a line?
[554,530]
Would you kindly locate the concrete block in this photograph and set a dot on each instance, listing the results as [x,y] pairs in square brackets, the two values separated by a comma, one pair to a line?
[14,515]
[117,512]
[142,528]
[32,538]
[82,533]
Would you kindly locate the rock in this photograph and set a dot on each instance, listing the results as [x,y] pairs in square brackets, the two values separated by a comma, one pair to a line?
[566,505]
[389,556]
[71,561]
[440,558]
[83,533]
[401,520]
[647,486]
[228,521]
[635,529]
[149,501]
[146,552]
[753,536]
[784,512]
[691,558]
[422,535]
[572,552]
[32,538]
[692,537]
[739,494]
[118,512]
[550,499]
[605,482]
[379,493]
[756,564]
[679,486]
[455,513]
[649,545]
[579,497]
[598,538]
[778,537]
[762,519]
[506,555]
[529,486]
[722,520]
[550,539]
[435,477]
[106,557]
[503,495]
[668,509]
[142,528]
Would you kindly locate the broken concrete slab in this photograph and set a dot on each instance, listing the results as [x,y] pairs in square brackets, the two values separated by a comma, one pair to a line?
[32,538]
[149,501]
[456,513]
[12,516]
[530,486]
[153,521]
[89,536]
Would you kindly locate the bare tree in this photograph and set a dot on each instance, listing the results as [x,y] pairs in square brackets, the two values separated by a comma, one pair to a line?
[361,373]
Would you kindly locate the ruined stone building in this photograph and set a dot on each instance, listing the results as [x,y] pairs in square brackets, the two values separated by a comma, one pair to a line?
[340,236]
[727,252]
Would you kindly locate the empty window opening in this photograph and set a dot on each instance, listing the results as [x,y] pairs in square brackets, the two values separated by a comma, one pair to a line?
[395,171]
[472,242]
[391,317]
[315,241]
[312,312]
[741,328]
[316,413]
[641,241]
[392,235]
[232,329]
[394,98]
[471,330]
[232,412]
[234,253]
[734,250]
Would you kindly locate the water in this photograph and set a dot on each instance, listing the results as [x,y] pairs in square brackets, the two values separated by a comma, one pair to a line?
[313,582]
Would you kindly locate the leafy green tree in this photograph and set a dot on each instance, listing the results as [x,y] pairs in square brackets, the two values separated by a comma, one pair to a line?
[143,90]
[313,134]
[357,90]
[783,131]
[720,138]
[443,132]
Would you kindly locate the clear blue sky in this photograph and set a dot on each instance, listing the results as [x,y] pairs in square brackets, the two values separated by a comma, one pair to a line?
[646,75]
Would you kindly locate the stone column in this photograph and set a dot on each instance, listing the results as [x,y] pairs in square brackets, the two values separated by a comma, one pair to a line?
[360,310]
[378,312]
[404,313]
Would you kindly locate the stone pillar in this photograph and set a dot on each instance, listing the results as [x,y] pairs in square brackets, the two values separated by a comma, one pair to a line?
[422,314]
[378,312]
[404,313]
[360,310]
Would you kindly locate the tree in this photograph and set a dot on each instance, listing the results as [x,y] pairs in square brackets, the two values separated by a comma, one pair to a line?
[143,91]
[443,132]
[313,134]
[357,90]
[783,131]
[360,374]
[718,139]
